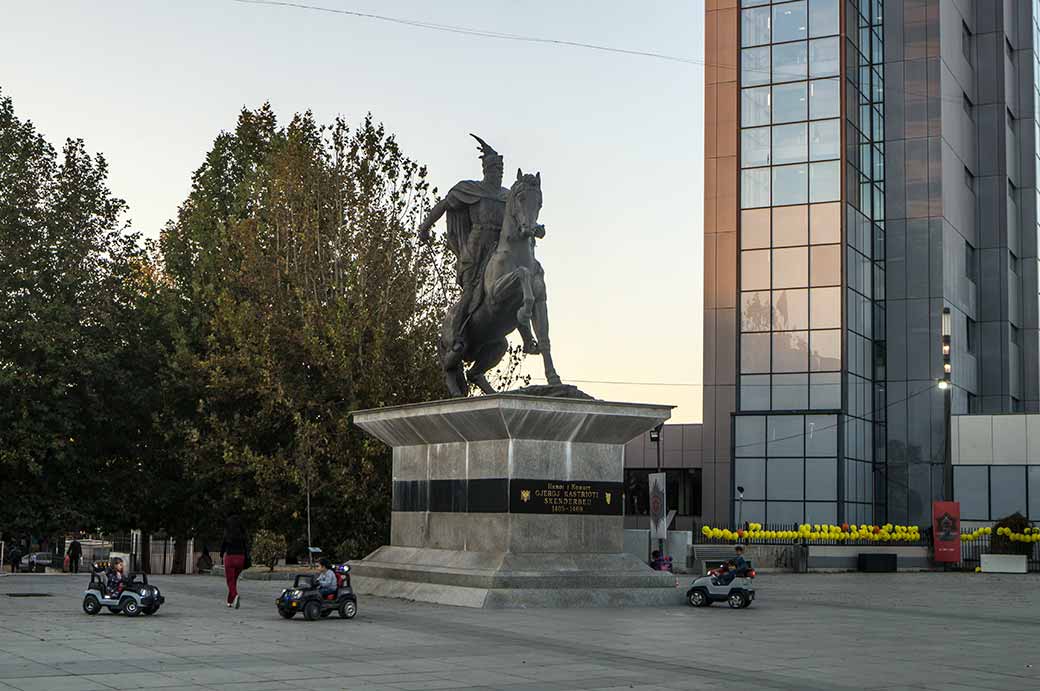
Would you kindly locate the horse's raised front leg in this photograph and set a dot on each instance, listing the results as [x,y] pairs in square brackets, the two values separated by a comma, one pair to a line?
[541,331]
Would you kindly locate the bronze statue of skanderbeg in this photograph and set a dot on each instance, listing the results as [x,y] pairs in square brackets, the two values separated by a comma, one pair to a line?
[475,212]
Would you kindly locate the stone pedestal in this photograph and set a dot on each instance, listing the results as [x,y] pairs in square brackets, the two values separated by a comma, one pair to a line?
[510,501]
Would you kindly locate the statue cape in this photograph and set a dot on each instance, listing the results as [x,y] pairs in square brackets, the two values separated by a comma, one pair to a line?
[461,197]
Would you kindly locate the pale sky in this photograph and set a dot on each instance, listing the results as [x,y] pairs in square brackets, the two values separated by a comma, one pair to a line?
[618,138]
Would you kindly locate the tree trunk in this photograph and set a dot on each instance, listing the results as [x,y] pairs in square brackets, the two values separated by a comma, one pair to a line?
[180,555]
[146,552]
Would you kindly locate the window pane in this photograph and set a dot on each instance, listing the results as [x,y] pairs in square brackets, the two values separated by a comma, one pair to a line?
[1007,490]
[824,182]
[825,390]
[754,188]
[821,512]
[785,478]
[824,99]
[825,308]
[785,434]
[826,350]
[791,351]
[754,66]
[754,353]
[754,311]
[790,310]
[790,391]
[825,223]
[825,265]
[750,435]
[754,270]
[785,512]
[821,434]
[754,106]
[791,268]
[790,143]
[790,62]
[754,228]
[789,225]
[789,185]
[753,3]
[824,139]
[754,147]
[823,17]
[750,473]
[754,392]
[789,102]
[971,488]
[754,27]
[825,57]
[789,22]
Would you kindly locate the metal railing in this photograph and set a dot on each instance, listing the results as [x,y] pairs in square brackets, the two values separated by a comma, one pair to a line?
[700,539]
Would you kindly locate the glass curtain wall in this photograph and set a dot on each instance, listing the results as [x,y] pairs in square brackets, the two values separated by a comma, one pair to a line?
[787,430]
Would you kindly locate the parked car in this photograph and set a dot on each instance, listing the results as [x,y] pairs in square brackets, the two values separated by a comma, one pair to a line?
[37,561]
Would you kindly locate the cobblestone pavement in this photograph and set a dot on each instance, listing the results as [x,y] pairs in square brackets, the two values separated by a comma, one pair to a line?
[834,631]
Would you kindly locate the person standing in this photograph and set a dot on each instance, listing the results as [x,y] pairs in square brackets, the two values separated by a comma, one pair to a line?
[233,551]
[15,556]
[75,554]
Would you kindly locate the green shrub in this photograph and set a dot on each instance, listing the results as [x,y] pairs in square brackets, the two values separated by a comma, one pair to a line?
[1002,544]
[268,548]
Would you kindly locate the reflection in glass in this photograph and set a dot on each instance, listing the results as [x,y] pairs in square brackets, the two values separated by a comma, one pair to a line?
[789,185]
[754,353]
[825,390]
[825,223]
[754,311]
[790,225]
[825,308]
[790,391]
[826,350]
[754,106]
[824,57]
[754,27]
[821,434]
[824,182]
[821,512]
[784,434]
[790,310]
[972,487]
[754,66]
[789,22]
[784,478]
[825,265]
[790,62]
[754,270]
[754,147]
[754,188]
[824,140]
[750,435]
[789,102]
[750,473]
[785,511]
[791,351]
[754,228]
[824,99]
[790,143]
[754,392]
[823,17]
[1007,488]
[791,267]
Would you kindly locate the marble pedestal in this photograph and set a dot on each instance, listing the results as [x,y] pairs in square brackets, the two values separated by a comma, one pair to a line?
[510,501]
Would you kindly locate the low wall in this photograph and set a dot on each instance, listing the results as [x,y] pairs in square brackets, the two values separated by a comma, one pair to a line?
[846,557]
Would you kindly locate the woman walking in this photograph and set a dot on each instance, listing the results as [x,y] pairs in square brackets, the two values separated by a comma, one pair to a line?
[233,551]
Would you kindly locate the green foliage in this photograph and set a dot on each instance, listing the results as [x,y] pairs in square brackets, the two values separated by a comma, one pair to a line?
[1002,544]
[268,547]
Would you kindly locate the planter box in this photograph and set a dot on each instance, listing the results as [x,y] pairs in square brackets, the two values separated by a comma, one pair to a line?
[1004,563]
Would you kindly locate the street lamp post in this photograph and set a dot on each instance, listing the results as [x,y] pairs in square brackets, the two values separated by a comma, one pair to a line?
[740,507]
[946,385]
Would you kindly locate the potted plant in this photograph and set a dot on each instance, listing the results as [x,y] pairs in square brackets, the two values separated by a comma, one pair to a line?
[1008,554]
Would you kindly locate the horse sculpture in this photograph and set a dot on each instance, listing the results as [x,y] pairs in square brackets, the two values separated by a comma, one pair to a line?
[513,297]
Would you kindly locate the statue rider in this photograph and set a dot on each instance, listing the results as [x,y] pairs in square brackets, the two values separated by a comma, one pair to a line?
[475,212]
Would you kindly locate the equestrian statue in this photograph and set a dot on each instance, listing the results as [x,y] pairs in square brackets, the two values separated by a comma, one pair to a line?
[492,232]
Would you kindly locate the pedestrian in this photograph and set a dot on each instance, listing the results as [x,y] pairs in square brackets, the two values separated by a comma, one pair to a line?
[204,564]
[75,554]
[234,551]
[15,556]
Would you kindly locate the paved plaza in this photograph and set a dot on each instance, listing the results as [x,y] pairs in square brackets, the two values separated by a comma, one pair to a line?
[837,631]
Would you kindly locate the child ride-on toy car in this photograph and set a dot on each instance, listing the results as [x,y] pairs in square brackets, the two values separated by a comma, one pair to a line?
[135,597]
[304,597]
[722,585]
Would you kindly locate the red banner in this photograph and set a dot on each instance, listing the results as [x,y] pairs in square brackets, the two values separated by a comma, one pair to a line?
[946,531]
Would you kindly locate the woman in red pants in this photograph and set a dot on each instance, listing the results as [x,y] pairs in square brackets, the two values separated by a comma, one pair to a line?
[233,551]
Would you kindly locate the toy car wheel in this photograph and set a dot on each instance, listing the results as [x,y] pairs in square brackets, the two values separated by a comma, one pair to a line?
[348,610]
[737,600]
[130,607]
[287,613]
[91,605]
[311,611]
[698,598]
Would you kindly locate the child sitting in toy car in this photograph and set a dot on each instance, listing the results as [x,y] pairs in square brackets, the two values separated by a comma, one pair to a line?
[328,584]
[116,580]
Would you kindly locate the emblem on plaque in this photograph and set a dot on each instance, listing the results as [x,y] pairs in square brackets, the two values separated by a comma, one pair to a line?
[607,496]
[525,495]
